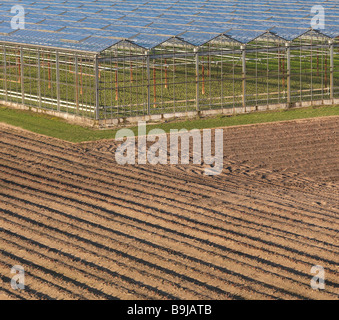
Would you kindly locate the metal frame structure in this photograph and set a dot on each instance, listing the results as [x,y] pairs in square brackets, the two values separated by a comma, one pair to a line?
[178,77]
[105,78]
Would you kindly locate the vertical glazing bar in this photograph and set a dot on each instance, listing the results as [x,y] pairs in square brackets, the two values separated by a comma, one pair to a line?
[49,72]
[221,78]
[325,75]
[279,71]
[203,76]
[267,76]
[186,80]
[57,79]
[39,78]
[331,69]
[148,84]
[322,71]
[22,75]
[256,78]
[311,69]
[5,75]
[76,84]
[243,57]
[166,74]
[97,116]
[300,73]
[288,67]
[154,85]
[233,78]
[174,77]
[197,79]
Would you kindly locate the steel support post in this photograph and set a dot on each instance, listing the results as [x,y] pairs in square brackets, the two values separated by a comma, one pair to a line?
[57,66]
[5,74]
[97,92]
[148,83]
[76,83]
[39,79]
[331,69]
[197,80]
[243,59]
[288,52]
[22,75]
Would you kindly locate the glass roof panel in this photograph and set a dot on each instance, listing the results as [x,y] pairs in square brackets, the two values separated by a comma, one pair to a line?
[148,22]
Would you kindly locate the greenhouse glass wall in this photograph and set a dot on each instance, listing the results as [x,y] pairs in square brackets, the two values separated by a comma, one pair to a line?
[108,61]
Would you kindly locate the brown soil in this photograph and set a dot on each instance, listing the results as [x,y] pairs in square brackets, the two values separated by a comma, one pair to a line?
[84,227]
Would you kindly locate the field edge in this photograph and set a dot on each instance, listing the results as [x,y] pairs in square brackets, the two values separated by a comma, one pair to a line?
[58,128]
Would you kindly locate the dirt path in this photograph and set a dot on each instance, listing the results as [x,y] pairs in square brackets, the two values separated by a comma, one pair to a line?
[84,227]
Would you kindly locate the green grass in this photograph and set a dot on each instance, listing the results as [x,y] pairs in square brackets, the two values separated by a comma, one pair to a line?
[59,128]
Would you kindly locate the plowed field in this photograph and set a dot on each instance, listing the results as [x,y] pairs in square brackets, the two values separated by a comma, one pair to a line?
[84,227]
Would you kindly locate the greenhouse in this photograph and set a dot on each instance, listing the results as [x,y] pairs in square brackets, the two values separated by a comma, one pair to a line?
[105,62]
